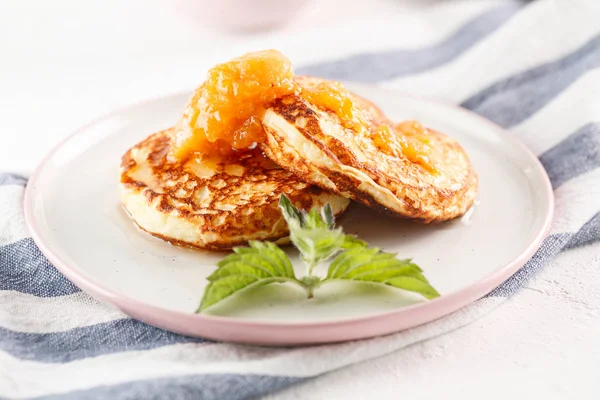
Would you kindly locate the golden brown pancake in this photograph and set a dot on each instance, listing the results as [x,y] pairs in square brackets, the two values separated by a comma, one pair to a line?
[320,148]
[211,204]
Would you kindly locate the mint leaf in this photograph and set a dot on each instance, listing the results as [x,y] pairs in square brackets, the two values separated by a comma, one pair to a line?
[351,241]
[312,233]
[319,219]
[327,215]
[291,214]
[260,264]
[316,245]
[373,265]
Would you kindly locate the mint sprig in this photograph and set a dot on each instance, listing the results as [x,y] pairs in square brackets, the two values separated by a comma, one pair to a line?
[317,239]
[313,233]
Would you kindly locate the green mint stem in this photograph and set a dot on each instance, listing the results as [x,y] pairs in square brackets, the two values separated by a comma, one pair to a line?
[308,286]
[311,267]
[310,283]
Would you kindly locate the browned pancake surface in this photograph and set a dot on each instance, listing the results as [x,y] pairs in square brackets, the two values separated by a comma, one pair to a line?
[315,145]
[213,204]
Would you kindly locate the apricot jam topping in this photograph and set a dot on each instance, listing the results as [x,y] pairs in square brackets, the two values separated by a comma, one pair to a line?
[416,143]
[410,137]
[334,97]
[224,113]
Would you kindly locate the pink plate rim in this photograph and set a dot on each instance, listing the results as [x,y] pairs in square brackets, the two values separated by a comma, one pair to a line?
[281,333]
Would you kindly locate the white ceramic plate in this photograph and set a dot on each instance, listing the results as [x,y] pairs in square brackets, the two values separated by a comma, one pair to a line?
[72,208]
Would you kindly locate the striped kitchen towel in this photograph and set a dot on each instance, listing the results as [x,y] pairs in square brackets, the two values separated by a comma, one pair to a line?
[534,69]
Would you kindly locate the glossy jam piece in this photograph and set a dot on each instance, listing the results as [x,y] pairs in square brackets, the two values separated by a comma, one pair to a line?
[387,141]
[224,113]
[410,138]
[334,97]
[416,143]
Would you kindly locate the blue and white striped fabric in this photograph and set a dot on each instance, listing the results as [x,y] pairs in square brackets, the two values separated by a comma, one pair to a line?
[534,69]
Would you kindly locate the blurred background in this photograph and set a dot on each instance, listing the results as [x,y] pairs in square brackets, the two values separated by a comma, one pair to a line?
[66,62]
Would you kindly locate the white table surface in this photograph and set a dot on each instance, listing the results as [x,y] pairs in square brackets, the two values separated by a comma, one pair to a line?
[63,64]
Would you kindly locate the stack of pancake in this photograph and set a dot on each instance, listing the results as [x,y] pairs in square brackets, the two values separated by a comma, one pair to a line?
[309,152]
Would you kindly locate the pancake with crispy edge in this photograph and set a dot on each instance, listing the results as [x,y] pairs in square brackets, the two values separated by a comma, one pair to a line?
[211,204]
[315,145]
